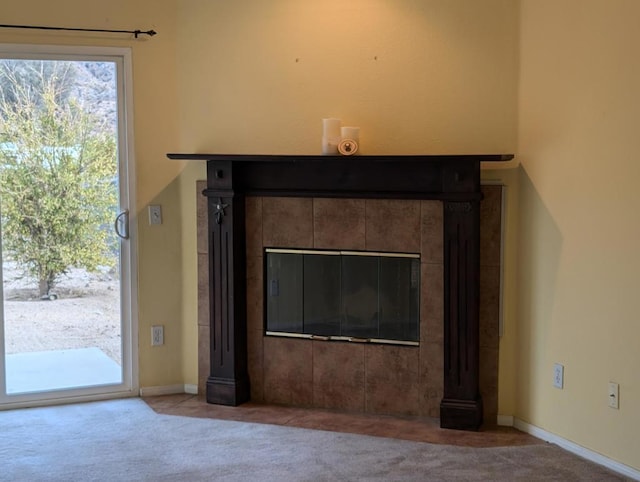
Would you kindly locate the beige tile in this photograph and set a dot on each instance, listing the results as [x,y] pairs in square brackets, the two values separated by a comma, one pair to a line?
[490,225]
[255,313]
[255,364]
[432,303]
[393,225]
[489,306]
[288,377]
[204,362]
[339,223]
[203,286]
[431,378]
[287,222]
[489,383]
[253,225]
[201,218]
[431,232]
[338,376]
[392,379]
[203,289]
[490,408]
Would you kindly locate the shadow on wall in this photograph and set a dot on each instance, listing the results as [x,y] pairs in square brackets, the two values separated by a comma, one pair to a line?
[539,252]
[160,287]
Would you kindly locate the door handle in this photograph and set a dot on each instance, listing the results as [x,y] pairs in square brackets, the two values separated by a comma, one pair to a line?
[122,219]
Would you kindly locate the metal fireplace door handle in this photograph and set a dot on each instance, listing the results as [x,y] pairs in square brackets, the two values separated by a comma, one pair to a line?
[122,219]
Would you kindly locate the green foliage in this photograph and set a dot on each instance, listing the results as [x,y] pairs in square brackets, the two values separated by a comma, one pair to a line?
[58,177]
[29,75]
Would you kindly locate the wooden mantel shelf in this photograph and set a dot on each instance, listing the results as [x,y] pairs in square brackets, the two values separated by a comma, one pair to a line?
[452,179]
[357,158]
[448,177]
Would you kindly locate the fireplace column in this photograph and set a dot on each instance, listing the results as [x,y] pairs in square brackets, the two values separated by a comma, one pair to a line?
[461,406]
[228,382]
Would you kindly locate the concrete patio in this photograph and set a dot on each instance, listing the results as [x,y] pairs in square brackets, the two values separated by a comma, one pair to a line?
[59,370]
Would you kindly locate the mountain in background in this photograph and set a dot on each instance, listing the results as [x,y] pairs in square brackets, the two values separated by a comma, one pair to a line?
[91,83]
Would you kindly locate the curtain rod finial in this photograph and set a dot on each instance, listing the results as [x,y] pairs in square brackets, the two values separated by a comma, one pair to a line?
[150,33]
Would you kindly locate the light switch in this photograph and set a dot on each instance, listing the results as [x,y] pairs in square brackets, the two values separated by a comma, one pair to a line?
[155,214]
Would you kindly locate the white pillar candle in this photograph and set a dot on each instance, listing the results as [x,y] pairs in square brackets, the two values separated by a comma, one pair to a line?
[330,145]
[330,136]
[331,128]
[352,133]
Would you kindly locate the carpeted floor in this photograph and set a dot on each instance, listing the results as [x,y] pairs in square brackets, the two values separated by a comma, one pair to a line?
[125,440]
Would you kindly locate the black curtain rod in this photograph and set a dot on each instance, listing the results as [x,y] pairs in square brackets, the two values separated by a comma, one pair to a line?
[150,33]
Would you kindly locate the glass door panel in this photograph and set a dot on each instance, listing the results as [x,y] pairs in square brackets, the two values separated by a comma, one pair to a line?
[65,318]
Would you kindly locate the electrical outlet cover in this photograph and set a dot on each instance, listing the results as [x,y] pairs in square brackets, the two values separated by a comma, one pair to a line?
[157,335]
[558,375]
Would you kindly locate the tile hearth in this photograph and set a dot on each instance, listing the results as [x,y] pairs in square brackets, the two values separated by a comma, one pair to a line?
[418,429]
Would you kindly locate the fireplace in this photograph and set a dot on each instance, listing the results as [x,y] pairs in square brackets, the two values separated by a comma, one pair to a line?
[349,296]
[444,194]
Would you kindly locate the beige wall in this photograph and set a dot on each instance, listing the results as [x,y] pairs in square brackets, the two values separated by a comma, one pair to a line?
[432,76]
[155,125]
[579,224]
[418,77]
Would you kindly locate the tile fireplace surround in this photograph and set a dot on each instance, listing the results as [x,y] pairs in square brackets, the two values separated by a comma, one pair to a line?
[401,213]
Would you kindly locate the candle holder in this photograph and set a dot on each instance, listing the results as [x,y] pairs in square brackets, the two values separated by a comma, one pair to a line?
[348,147]
[339,140]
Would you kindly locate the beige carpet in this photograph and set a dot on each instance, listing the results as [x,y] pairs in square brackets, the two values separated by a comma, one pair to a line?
[125,440]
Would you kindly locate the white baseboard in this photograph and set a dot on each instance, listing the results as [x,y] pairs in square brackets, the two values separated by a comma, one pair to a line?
[168,390]
[505,420]
[576,449]
[190,389]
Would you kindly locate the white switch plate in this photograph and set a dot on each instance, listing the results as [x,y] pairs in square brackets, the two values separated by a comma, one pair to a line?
[155,214]
[558,375]
[614,395]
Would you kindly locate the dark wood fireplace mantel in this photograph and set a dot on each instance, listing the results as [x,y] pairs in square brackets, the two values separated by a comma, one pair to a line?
[454,180]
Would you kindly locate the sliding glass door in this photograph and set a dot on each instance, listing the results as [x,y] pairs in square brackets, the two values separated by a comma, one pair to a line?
[66,324]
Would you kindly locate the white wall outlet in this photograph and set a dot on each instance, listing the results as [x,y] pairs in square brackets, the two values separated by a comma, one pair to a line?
[157,335]
[155,214]
[558,375]
[614,395]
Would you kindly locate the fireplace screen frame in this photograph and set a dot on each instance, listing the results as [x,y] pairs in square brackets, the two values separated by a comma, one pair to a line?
[339,329]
